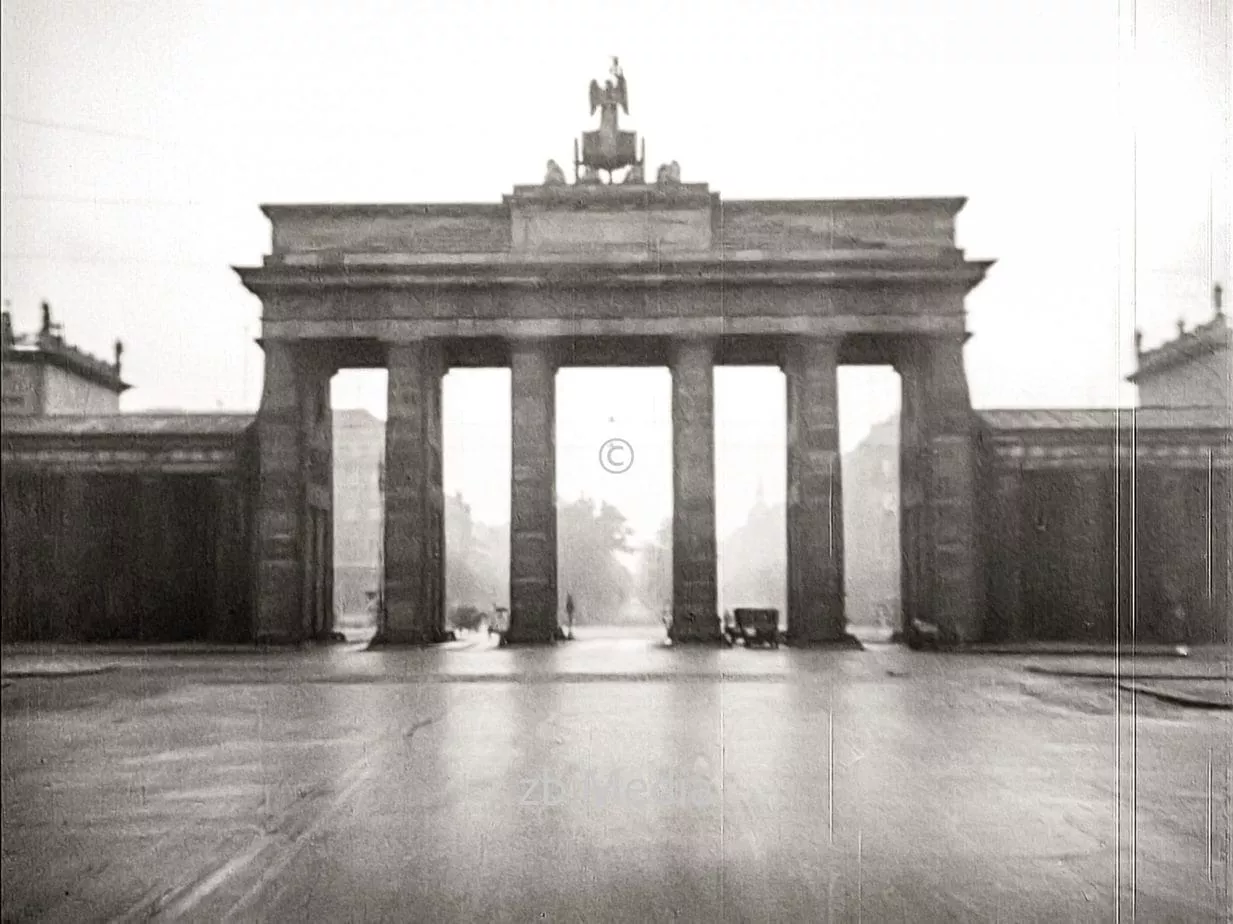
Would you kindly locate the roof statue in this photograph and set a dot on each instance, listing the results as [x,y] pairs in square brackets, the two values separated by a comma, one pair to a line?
[554,176]
[669,173]
[609,98]
[609,148]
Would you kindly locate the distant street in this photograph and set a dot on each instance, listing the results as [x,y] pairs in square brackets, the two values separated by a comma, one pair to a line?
[605,780]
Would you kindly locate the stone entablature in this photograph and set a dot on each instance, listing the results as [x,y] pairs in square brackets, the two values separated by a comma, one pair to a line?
[614,261]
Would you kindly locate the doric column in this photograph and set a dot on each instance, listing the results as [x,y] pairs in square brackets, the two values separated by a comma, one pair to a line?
[414,504]
[815,494]
[281,502]
[913,470]
[318,471]
[533,508]
[956,597]
[695,592]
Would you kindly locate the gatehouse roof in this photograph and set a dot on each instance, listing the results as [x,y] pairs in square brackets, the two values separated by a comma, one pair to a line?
[136,443]
[1143,418]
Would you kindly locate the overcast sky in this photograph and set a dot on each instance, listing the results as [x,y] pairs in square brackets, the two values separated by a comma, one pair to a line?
[1090,137]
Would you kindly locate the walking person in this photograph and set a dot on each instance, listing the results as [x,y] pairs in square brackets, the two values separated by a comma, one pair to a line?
[569,615]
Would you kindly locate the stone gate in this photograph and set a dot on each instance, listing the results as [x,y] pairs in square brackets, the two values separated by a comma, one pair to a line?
[618,273]
[663,273]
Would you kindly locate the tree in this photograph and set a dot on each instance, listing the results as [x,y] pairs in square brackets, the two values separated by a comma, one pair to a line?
[477,559]
[589,537]
[654,570]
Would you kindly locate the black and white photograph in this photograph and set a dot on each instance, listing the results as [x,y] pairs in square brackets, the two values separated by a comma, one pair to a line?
[616,461]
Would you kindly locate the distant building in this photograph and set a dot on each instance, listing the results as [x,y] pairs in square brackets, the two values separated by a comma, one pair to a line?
[359,450]
[1191,370]
[752,563]
[45,376]
[871,526]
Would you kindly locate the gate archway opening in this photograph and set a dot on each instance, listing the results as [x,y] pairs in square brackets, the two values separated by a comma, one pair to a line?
[475,423]
[614,497]
[869,414]
[357,403]
[750,488]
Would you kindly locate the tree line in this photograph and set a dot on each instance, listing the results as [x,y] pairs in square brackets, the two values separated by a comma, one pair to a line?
[612,578]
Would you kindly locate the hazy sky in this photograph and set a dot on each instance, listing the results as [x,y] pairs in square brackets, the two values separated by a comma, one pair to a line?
[1091,139]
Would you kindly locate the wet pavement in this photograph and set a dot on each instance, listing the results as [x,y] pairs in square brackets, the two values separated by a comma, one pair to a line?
[604,780]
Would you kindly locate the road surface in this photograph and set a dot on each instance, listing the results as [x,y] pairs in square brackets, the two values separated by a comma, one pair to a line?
[606,780]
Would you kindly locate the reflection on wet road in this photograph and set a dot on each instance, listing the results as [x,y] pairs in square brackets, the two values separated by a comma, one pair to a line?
[607,782]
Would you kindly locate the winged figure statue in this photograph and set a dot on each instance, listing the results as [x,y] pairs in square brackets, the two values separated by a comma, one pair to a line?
[607,98]
[610,148]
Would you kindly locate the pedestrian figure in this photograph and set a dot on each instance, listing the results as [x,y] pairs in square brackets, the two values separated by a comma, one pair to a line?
[569,613]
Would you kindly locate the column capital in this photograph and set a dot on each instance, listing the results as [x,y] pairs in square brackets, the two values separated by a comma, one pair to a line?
[423,352]
[696,347]
[547,348]
[809,349]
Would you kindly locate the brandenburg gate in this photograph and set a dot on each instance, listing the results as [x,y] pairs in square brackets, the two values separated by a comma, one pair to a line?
[602,271]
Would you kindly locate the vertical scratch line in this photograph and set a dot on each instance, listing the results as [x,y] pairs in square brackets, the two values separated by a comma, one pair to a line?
[1209,816]
[830,771]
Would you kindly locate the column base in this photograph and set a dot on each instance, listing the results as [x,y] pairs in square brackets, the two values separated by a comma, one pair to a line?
[717,639]
[687,631]
[410,639]
[277,640]
[846,641]
[531,637]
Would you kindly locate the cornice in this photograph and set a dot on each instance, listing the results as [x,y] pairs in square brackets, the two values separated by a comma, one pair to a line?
[717,272]
[71,360]
[1213,337]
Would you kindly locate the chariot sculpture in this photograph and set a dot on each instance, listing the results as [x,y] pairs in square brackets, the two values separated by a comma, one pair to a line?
[609,148]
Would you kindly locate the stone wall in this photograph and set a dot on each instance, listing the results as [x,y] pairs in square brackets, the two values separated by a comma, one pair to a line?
[95,557]
[1090,536]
